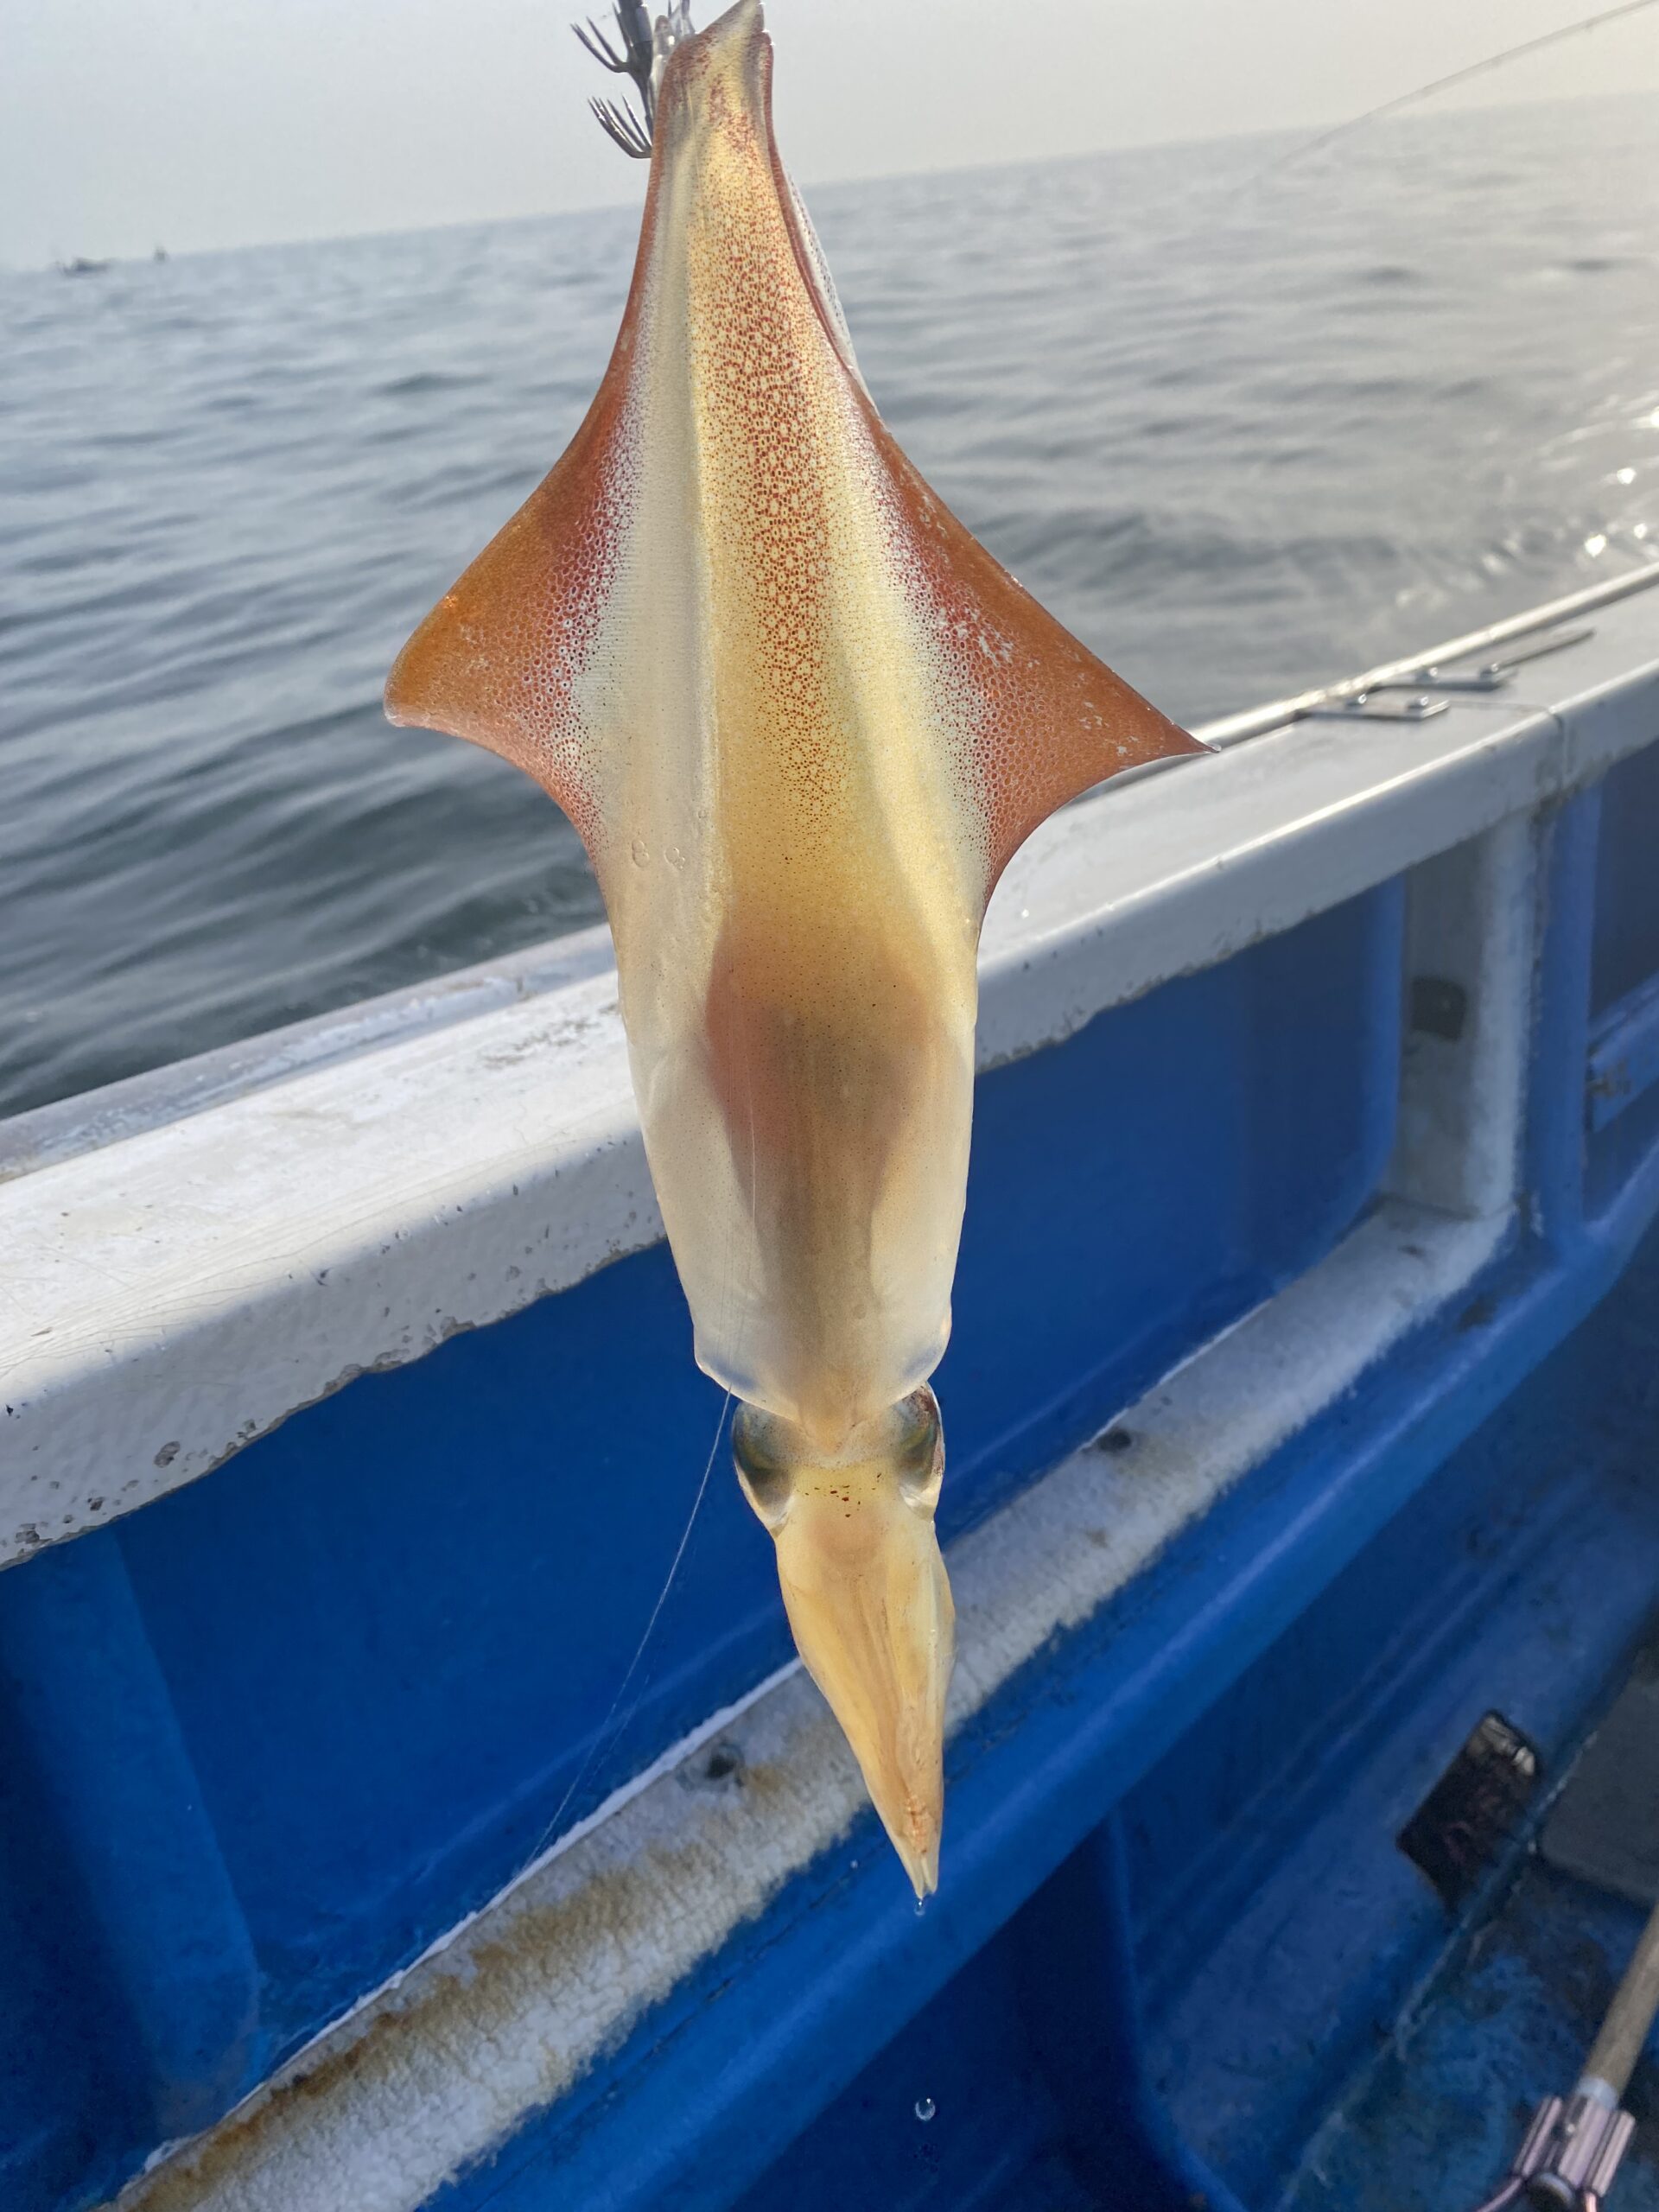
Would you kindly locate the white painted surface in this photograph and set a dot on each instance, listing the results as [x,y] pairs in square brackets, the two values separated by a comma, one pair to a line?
[517,2005]
[1471,922]
[46,1135]
[1175,873]
[167,1298]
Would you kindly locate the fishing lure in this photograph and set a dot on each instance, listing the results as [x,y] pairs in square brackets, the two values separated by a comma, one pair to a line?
[801,721]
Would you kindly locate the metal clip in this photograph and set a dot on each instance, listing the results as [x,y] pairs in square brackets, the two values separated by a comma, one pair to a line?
[1373,706]
[1491,675]
[1569,2156]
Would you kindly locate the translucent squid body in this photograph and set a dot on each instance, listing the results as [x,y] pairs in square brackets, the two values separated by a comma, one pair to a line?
[801,720]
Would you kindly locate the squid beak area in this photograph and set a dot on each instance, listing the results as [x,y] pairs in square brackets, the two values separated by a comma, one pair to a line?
[867,1597]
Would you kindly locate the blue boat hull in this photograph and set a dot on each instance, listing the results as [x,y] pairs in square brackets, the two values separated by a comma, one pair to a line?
[266,1741]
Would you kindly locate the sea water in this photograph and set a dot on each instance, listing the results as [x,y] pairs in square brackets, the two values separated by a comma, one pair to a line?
[1239,432]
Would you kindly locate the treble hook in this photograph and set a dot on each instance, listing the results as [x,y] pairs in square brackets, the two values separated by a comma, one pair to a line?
[622,127]
[637,59]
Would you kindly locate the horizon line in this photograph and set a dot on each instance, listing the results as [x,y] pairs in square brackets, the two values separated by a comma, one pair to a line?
[1313,133]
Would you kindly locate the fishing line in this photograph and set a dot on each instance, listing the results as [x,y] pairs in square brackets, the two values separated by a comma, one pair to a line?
[1440,85]
[1184,234]
[1180,236]
[605,1738]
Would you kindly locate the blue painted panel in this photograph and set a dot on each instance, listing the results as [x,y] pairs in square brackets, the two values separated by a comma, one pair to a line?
[1615,1155]
[162,1950]
[1627,881]
[1624,1054]
[391,1630]
[391,1633]
[72,2118]
[716,2084]
[1137,1189]
[956,2109]
[1018,2088]
[1280,1928]
[427,1588]
[83,1685]
[1280,1922]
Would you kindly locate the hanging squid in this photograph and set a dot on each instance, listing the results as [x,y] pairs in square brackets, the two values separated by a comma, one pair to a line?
[801,720]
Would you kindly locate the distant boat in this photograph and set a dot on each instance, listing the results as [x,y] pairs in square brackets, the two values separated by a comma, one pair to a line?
[81,267]
[160,254]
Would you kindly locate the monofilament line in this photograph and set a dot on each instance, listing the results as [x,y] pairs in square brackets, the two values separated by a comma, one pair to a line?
[604,1737]
[1442,84]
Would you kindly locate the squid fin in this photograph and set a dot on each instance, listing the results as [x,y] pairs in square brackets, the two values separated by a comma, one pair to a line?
[498,658]
[802,720]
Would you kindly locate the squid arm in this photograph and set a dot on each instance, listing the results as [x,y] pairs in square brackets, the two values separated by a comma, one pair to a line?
[801,720]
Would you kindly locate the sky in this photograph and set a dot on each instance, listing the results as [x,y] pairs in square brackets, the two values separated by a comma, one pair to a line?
[204,124]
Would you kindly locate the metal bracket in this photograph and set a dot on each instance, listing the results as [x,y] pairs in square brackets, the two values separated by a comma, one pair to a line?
[1375,706]
[1490,675]
[1569,2156]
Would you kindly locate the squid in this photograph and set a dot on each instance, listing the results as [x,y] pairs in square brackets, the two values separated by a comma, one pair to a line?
[801,720]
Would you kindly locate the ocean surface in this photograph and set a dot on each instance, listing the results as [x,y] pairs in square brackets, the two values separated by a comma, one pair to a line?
[1239,432]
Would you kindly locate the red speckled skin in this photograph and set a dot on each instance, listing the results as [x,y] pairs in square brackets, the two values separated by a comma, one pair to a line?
[734,633]
[801,720]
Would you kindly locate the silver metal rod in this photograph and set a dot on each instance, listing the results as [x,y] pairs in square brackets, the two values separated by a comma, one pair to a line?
[1629,2017]
[1255,721]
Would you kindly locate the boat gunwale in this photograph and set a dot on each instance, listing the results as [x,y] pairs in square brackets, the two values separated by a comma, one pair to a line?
[181,1291]
[85,1120]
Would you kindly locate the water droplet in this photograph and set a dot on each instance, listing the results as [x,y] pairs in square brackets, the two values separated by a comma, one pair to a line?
[921,1907]
[926,2109]
[641,851]
[674,856]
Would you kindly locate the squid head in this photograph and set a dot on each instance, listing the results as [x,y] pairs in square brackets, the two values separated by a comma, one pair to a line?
[801,720]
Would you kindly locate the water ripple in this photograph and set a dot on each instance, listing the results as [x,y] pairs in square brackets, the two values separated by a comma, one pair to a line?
[1237,440]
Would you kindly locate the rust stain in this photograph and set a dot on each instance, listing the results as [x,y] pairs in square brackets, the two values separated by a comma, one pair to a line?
[468,2003]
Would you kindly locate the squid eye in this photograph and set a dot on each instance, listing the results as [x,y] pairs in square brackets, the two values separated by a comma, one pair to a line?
[763,1466]
[918,1449]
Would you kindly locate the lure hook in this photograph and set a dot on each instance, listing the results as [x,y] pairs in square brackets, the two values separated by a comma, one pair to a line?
[636,59]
